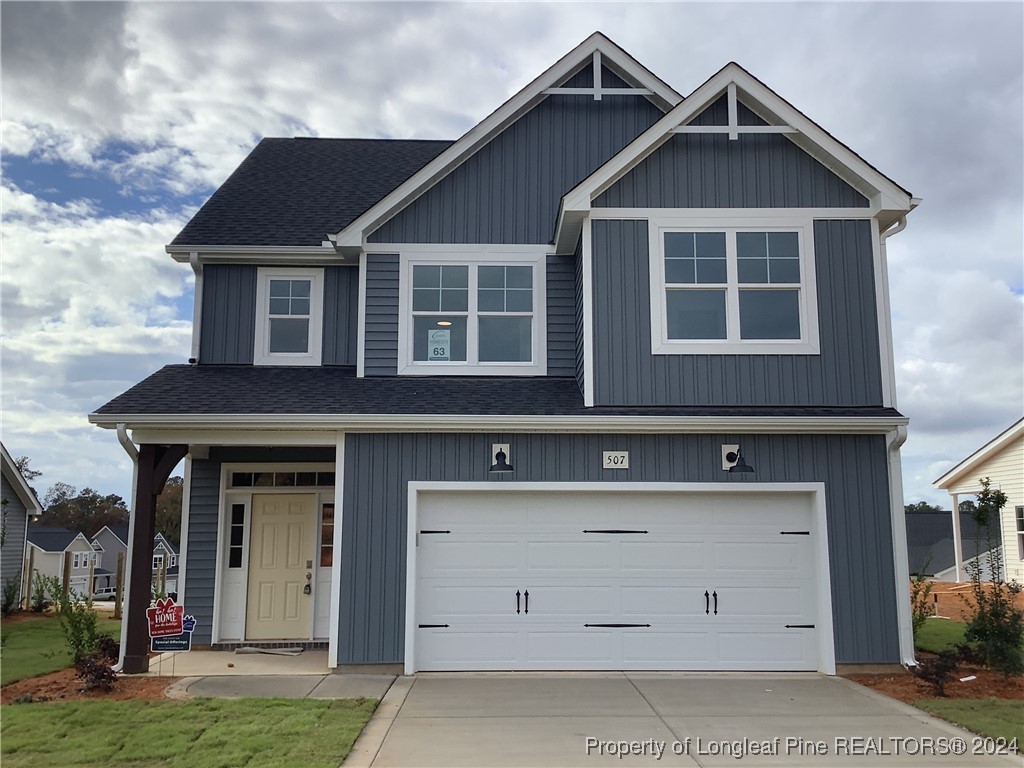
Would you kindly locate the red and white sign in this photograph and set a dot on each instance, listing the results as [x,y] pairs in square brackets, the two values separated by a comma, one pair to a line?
[165,618]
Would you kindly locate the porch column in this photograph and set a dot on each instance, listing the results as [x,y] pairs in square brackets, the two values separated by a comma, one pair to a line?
[156,462]
[958,544]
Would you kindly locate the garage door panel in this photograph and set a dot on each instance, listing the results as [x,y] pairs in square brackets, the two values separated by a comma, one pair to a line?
[648,561]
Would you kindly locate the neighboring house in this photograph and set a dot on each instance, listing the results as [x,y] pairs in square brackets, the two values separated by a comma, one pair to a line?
[19,502]
[51,546]
[930,545]
[112,540]
[607,383]
[1001,460]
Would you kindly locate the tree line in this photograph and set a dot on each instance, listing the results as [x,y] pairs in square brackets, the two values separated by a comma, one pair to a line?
[87,510]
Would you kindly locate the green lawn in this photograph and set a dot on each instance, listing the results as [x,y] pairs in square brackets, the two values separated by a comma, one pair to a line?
[37,646]
[213,733]
[998,718]
[939,634]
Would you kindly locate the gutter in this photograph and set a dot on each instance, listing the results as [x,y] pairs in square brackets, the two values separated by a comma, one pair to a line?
[197,308]
[133,452]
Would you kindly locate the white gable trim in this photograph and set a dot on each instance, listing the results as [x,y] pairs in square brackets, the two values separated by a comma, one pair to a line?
[992,447]
[353,237]
[20,485]
[884,194]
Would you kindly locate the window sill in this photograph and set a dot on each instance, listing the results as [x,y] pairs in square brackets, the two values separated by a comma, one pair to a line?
[308,360]
[735,348]
[472,370]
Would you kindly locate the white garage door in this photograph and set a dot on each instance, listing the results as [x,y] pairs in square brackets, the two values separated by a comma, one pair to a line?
[615,581]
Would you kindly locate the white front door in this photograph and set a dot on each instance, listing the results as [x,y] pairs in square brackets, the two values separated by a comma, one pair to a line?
[279,605]
[718,581]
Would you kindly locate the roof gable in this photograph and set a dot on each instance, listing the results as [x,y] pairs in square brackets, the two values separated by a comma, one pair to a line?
[597,50]
[777,116]
[21,487]
[993,447]
[50,539]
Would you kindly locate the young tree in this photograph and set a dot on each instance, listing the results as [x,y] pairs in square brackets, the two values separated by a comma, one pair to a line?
[997,625]
[86,512]
[921,506]
[168,509]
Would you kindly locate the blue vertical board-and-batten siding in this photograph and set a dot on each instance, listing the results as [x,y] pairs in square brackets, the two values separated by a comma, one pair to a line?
[378,468]
[227,334]
[203,523]
[509,191]
[847,372]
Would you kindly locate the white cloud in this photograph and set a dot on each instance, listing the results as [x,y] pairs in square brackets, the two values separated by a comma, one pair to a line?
[171,96]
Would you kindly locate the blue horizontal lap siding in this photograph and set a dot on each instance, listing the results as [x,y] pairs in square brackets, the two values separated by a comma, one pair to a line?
[379,467]
[380,356]
[15,523]
[509,191]
[561,316]
[846,372]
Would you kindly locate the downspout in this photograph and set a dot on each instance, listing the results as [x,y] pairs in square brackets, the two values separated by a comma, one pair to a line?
[197,308]
[133,452]
[894,441]
[883,280]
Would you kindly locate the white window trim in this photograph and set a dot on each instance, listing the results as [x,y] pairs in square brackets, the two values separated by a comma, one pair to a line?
[261,353]
[484,256]
[807,344]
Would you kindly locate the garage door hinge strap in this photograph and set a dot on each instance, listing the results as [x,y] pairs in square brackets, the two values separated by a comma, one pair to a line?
[616,625]
[799,626]
[435,531]
[794,533]
[433,626]
[615,530]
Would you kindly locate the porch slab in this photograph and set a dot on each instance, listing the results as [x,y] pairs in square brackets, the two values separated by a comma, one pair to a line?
[226,663]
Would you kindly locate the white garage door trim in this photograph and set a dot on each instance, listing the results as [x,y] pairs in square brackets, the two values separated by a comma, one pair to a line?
[826,650]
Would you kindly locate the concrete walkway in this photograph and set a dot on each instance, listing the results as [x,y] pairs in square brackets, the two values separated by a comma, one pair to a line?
[533,719]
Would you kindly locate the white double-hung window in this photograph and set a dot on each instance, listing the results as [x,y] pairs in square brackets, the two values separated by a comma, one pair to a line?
[733,288]
[471,316]
[289,316]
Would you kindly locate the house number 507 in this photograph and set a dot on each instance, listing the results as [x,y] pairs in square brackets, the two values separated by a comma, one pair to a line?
[615,460]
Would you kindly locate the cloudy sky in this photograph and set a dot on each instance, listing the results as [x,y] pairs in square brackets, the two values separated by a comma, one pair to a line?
[119,120]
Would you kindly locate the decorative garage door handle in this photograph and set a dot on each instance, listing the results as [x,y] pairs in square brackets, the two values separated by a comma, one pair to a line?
[707,603]
[715,596]
[517,601]
[526,595]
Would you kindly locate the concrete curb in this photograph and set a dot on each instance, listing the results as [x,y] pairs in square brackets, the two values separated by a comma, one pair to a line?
[178,690]
[365,750]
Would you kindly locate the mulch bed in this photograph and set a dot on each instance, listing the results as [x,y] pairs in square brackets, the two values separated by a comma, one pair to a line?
[904,687]
[63,685]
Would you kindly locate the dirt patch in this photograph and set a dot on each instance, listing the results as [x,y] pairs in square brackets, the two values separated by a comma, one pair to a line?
[956,601]
[64,686]
[904,687]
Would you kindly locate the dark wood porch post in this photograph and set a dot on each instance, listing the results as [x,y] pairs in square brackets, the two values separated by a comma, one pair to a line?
[156,462]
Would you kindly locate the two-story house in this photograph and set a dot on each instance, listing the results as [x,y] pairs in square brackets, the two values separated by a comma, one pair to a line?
[606,383]
[112,540]
[18,502]
[51,549]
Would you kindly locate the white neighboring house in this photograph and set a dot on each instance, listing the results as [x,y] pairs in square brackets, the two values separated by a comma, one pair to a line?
[19,503]
[52,545]
[1001,460]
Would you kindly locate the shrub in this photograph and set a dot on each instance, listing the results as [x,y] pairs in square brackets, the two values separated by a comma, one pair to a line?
[10,596]
[78,620]
[938,670]
[95,672]
[42,588]
[108,647]
[920,602]
[997,625]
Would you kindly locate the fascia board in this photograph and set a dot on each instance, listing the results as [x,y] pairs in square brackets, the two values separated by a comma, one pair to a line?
[353,236]
[213,254]
[21,486]
[832,152]
[306,426]
[992,447]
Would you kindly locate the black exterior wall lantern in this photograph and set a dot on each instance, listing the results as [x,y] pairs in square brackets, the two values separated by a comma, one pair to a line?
[499,458]
[733,461]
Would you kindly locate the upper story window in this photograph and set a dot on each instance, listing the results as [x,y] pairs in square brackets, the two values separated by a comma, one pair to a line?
[737,288]
[468,316]
[158,562]
[289,316]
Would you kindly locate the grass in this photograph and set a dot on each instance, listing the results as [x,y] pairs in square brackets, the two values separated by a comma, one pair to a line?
[214,733]
[37,646]
[939,634]
[998,718]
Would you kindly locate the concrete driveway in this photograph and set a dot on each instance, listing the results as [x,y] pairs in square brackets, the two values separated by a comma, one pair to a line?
[570,719]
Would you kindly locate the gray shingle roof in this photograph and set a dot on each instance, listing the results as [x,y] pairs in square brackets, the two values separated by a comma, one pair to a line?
[930,541]
[50,539]
[246,389]
[296,191]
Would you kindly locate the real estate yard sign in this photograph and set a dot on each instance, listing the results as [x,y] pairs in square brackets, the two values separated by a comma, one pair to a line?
[169,628]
